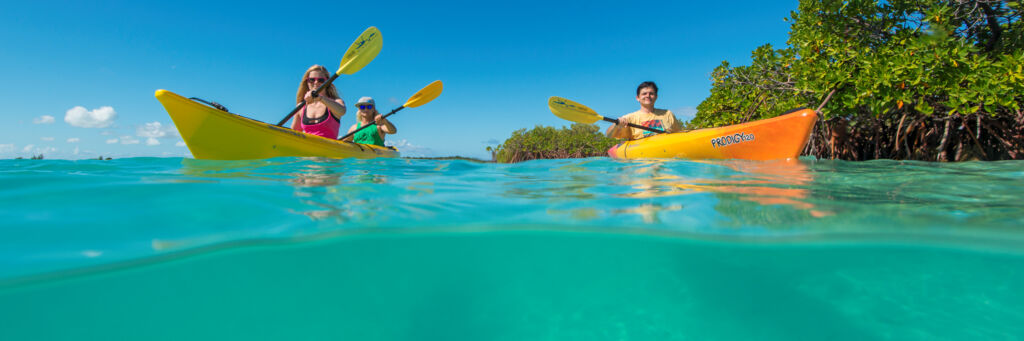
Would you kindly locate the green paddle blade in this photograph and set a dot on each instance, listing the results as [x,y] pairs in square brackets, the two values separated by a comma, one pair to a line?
[572,111]
[427,94]
[362,51]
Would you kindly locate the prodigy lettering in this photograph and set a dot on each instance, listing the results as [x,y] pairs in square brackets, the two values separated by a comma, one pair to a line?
[730,139]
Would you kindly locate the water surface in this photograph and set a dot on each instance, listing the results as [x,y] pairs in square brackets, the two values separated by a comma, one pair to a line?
[300,248]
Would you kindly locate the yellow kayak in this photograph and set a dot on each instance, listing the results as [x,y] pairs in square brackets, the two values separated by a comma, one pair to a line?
[214,134]
[779,137]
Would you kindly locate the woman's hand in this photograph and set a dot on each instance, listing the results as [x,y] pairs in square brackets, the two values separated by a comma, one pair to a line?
[310,96]
[383,125]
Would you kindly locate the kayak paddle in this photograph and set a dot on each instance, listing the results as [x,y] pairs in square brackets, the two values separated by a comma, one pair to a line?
[360,53]
[425,95]
[572,111]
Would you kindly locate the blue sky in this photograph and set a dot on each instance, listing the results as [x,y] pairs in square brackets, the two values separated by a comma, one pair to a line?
[499,62]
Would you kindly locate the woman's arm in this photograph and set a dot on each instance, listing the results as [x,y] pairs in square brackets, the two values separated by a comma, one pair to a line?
[337,106]
[384,126]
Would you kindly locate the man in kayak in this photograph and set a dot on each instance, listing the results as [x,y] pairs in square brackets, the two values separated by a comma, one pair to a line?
[368,115]
[647,116]
[321,114]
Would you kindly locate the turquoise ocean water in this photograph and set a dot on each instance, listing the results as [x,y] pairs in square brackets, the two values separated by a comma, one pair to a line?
[586,249]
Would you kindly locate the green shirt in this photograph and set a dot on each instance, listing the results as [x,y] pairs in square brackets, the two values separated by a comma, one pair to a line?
[370,135]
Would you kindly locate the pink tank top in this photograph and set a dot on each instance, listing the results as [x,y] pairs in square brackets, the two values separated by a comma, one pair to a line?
[327,126]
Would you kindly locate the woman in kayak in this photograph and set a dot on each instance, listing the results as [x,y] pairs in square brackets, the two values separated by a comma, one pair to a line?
[368,115]
[321,114]
[647,116]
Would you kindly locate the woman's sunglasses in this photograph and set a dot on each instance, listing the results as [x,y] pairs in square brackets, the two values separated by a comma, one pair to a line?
[314,80]
[365,107]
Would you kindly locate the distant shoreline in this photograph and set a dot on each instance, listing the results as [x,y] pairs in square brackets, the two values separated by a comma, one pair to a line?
[471,159]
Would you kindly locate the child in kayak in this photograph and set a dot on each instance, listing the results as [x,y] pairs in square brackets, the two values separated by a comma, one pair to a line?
[320,116]
[648,116]
[368,115]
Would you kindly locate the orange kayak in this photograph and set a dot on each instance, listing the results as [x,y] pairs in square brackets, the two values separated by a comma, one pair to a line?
[781,137]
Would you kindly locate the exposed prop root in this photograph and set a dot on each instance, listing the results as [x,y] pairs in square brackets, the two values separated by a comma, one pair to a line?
[921,137]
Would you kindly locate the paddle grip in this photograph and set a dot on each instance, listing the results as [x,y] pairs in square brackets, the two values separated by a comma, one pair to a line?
[612,120]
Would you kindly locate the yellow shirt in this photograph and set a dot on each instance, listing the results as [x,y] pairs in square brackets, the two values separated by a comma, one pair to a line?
[660,119]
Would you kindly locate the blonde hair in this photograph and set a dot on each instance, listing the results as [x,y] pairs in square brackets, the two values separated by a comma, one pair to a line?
[330,92]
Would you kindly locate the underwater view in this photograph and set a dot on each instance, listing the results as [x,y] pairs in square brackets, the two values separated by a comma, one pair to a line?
[599,249]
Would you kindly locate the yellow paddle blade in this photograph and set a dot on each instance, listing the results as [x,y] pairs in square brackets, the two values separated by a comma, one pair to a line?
[427,94]
[362,51]
[572,111]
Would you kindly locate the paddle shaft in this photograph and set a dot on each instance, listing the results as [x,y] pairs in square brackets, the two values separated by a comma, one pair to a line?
[368,125]
[315,92]
[612,120]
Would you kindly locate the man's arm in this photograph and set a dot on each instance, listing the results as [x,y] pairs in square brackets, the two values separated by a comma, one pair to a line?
[619,130]
[677,126]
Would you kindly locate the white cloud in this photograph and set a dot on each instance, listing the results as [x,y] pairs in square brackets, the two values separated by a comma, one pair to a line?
[129,140]
[73,140]
[156,130]
[45,119]
[107,133]
[38,150]
[46,138]
[410,150]
[152,142]
[112,141]
[6,148]
[96,118]
[180,144]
